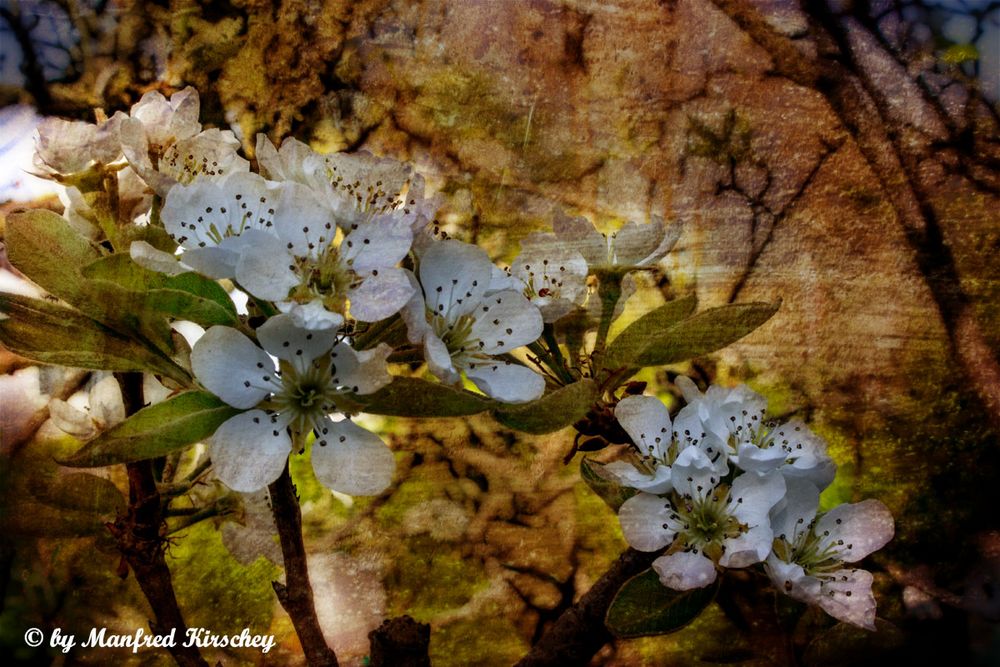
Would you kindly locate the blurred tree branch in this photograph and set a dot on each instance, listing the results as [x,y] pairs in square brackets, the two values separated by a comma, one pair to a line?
[886,141]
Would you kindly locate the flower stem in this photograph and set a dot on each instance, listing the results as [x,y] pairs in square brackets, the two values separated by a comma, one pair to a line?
[296,594]
[560,362]
[610,290]
[139,538]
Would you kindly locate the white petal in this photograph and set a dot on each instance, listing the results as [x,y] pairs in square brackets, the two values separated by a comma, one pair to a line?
[381,295]
[647,422]
[265,267]
[303,220]
[230,366]
[688,388]
[749,548]
[362,372]
[268,161]
[68,419]
[454,277]
[752,496]
[212,261]
[634,244]
[439,359]
[505,321]
[684,570]
[694,474]
[190,211]
[414,313]
[754,459]
[249,451]
[107,408]
[628,475]
[379,243]
[579,235]
[864,527]
[312,315]
[646,522]
[848,597]
[286,340]
[794,514]
[148,257]
[500,280]
[152,391]
[352,460]
[506,381]
[791,579]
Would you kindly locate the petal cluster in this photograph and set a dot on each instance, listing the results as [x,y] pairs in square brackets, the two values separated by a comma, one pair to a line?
[287,400]
[721,487]
[465,327]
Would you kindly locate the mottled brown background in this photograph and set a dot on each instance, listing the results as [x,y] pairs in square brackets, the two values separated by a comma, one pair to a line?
[836,162]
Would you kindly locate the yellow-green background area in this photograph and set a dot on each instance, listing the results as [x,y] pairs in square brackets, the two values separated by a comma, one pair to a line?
[617,110]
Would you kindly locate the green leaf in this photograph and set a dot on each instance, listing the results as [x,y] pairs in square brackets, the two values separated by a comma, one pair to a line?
[705,332]
[610,491]
[44,247]
[644,607]
[53,334]
[156,430]
[413,397]
[188,296]
[83,492]
[634,339]
[552,411]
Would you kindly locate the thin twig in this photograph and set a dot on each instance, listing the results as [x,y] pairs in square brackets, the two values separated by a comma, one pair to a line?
[296,594]
[140,541]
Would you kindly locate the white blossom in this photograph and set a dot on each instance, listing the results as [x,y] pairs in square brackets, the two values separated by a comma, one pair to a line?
[552,276]
[283,405]
[102,408]
[212,221]
[65,147]
[810,553]
[164,143]
[464,329]
[317,274]
[355,187]
[729,425]
[647,423]
[633,246]
[704,521]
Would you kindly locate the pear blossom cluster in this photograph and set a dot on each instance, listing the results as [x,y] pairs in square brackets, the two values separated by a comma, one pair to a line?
[721,487]
[326,247]
[343,271]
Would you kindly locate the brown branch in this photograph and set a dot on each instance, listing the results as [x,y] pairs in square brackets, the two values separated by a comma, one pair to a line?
[140,541]
[400,642]
[296,594]
[834,74]
[580,632]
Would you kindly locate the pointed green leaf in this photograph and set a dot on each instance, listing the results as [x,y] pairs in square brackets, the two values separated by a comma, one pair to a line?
[188,296]
[644,607]
[705,332]
[53,334]
[610,491]
[83,492]
[634,339]
[553,411]
[44,247]
[413,397]
[156,430]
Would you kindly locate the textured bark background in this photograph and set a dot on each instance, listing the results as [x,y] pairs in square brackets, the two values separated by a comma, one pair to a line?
[842,162]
